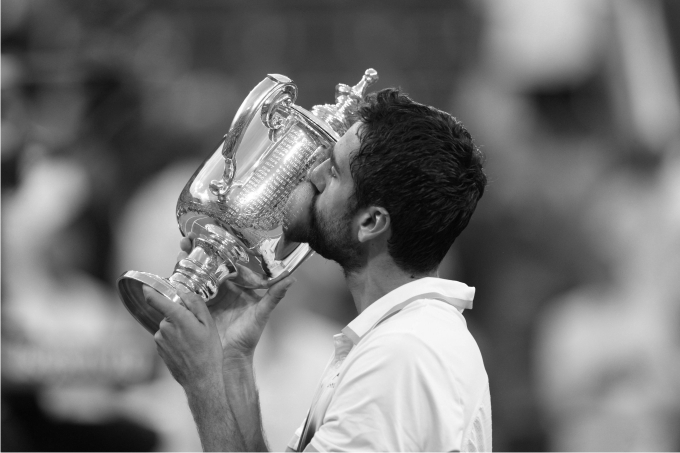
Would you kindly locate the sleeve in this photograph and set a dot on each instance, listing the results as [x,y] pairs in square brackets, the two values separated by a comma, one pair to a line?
[394,394]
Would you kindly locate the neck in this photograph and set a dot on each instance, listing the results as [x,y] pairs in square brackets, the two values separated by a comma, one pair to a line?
[379,277]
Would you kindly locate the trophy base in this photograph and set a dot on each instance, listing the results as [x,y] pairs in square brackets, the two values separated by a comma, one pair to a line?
[130,286]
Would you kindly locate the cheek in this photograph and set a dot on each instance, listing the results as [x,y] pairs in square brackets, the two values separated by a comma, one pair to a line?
[334,198]
[325,203]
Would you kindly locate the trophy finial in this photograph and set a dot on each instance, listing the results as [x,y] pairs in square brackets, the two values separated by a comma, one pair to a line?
[369,78]
[343,114]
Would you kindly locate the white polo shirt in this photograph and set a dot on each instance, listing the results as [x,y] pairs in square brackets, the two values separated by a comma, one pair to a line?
[406,376]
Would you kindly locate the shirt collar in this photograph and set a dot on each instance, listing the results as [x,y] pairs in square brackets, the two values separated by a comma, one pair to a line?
[452,292]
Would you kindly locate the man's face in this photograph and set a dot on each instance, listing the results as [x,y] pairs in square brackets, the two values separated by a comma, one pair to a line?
[320,210]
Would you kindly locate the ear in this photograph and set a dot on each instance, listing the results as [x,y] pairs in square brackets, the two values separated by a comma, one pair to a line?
[373,222]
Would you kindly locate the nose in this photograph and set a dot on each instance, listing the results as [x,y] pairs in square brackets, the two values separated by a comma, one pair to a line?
[317,174]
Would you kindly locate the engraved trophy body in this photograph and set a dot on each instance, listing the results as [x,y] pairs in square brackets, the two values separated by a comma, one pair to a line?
[234,203]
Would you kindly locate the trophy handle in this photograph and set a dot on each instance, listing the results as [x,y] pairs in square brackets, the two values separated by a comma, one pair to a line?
[220,187]
[277,107]
[274,104]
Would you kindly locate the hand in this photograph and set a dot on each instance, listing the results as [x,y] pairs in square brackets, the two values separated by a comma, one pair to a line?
[241,314]
[187,340]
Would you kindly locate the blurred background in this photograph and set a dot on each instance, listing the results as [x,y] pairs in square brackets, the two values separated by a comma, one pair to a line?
[109,106]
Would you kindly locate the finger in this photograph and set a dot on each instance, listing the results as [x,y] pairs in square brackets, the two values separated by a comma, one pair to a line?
[321,153]
[186,244]
[158,336]
[276,292]
[195,304]
[160,340]
[274,281]
[160,303]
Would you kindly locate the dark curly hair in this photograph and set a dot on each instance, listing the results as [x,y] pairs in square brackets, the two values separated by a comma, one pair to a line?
[421,165]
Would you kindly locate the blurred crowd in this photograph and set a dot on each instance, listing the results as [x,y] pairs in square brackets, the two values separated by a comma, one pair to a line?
[108,107]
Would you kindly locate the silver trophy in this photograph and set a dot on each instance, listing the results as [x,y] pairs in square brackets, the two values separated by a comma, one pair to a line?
[234,203]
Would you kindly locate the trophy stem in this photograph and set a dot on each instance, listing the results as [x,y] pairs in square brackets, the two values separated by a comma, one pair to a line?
[210,262]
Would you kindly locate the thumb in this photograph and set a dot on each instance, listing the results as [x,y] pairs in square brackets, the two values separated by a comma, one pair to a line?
[195,304]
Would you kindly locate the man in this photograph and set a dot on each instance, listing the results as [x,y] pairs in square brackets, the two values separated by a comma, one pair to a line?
[387,203]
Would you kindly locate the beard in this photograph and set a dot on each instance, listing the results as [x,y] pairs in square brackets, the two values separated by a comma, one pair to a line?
[328,235]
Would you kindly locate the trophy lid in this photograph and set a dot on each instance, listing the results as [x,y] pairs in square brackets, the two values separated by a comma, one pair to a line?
[343,113]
